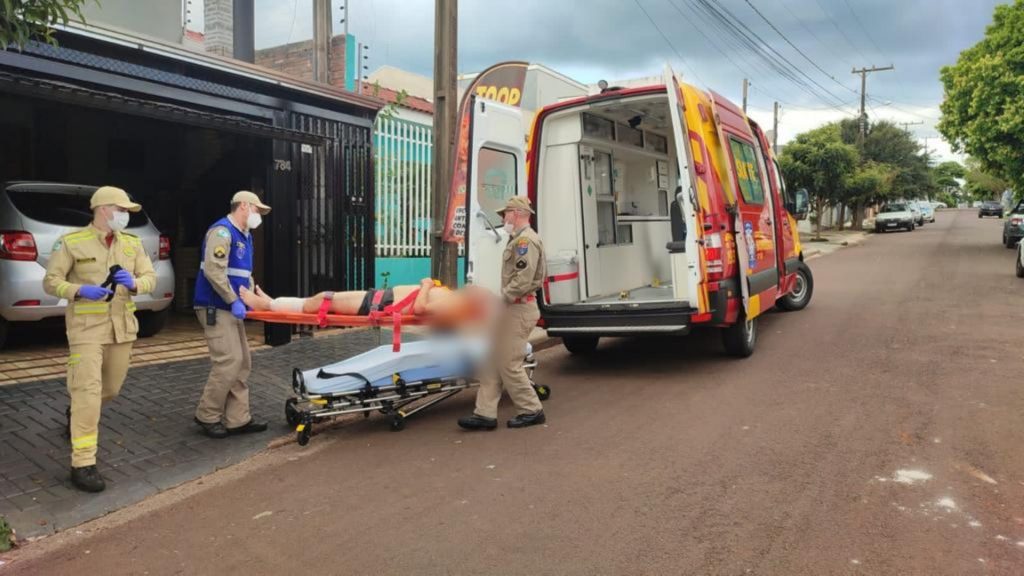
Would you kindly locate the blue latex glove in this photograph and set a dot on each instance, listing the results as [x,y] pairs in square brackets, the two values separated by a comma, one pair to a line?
[125,278]
[93,292]
[238,309]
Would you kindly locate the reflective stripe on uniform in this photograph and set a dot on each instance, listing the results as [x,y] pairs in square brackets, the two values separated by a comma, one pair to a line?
[61,288]
[83,442]
[79,237]
[74,359]
[237,272]
[91,307]
[130,306]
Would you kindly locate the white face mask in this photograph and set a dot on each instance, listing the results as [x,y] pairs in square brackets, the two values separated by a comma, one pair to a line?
[509,227]
[254,220]
[118,222]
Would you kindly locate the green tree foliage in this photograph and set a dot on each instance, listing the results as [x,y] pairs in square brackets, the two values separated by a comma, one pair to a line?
[948,173]
[983,111]
[820,162]
[981,185]
[24,20]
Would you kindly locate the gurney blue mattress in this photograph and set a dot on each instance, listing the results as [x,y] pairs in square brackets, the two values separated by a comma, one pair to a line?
[421,360]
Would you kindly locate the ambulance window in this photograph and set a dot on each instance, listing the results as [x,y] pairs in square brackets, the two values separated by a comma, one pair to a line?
[747,173]
[495,180]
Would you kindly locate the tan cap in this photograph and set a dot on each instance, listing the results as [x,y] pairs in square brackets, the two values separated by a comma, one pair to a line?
[107,195]
[250,198]
[517,203]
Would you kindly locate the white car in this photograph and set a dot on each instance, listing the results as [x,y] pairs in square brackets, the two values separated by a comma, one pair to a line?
[33,215]
[896,216]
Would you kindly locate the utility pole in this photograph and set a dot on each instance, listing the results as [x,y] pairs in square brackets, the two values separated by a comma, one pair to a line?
[863,98]
[321,40]
[345,19]
[746,85]
[906,125]
[359,68]
[443,264]
[775,129]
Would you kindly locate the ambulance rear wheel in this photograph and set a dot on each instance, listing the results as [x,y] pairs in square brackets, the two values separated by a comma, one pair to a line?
[580,345]
[800,297]
[740,338]
[291,413]
[543,392]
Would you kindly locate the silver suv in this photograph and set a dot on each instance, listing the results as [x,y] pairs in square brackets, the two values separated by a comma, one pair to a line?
[33,215]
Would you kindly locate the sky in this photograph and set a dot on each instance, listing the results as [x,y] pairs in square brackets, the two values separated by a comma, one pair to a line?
[817,41]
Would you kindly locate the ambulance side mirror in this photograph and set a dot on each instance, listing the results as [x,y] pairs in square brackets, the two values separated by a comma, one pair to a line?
[801,204]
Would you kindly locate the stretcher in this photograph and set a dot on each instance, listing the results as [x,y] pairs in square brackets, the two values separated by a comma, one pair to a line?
[396,384]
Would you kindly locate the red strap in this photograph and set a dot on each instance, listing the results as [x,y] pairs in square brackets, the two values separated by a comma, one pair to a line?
[399,307]
[325,307]
[396,332]
[378,296]
[557,278]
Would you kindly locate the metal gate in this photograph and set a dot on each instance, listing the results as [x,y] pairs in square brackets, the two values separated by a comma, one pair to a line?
[334,207]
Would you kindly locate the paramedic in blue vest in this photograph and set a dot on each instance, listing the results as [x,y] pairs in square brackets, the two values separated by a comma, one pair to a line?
[227,266]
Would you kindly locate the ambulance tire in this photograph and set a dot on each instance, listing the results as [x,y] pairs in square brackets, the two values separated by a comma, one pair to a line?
[800,297]
[740,338]
[580,345]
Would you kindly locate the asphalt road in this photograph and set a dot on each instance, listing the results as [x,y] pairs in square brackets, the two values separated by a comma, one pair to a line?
[875,432]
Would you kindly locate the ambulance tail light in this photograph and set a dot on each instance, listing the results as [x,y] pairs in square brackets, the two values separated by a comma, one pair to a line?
[713,256]
[165,247]
[18,246]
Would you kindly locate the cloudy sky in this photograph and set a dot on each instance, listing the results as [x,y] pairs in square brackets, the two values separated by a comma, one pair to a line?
[620,39]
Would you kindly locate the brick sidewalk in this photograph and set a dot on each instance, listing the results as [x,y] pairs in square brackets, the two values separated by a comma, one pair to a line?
[148,442]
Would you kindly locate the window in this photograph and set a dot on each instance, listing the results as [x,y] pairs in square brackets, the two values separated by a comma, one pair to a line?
[787,198]
[747,172]
[495,180]
[597,127]
[63,207]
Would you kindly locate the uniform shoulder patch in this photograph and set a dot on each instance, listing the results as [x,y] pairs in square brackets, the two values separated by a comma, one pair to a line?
[520,264]
[522,246]
[219,252]
[223,232]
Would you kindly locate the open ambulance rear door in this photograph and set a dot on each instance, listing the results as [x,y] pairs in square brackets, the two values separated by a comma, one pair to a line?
[496,171]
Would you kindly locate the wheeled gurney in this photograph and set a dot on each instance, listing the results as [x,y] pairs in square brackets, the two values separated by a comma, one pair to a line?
[398,384]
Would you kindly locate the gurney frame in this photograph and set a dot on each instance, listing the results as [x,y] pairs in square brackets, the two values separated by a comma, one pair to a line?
[393,401]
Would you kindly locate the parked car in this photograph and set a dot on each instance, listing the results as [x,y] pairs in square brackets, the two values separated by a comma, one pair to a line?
[927,210]
[1013,227]
[916,210]
[990,208]
[895,216]
[939,205]
[33,215]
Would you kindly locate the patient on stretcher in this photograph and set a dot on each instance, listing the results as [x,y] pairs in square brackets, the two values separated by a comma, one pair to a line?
[445,305]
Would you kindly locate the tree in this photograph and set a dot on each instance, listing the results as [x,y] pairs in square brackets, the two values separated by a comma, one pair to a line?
[821,162]
[983,111]
[981,185]
[948,174]
[24,20]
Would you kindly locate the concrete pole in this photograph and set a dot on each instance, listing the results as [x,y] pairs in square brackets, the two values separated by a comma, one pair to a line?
[746,85]
[321,40]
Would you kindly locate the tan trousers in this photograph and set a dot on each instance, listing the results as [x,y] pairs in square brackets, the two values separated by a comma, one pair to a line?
[226,396]
[506,366]
[95,375]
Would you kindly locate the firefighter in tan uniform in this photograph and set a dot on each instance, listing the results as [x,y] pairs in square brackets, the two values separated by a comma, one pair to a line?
[522,275]
[227,267]
[100,317]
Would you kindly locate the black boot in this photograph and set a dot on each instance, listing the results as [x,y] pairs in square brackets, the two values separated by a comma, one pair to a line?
[476,422]
[249,427]
[524,420]
[88,479]
[213,430]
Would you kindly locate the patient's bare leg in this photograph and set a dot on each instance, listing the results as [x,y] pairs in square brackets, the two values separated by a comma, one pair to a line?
[254,300]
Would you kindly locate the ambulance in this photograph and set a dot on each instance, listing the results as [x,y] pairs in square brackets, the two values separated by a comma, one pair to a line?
[661,208]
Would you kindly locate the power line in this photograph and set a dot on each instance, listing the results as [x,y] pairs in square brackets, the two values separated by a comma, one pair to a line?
[893,106]
[840,30]
[295,12]
[811,31]
[669,42]
[758,44]
[863,28]
[794,46]
[709,39]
